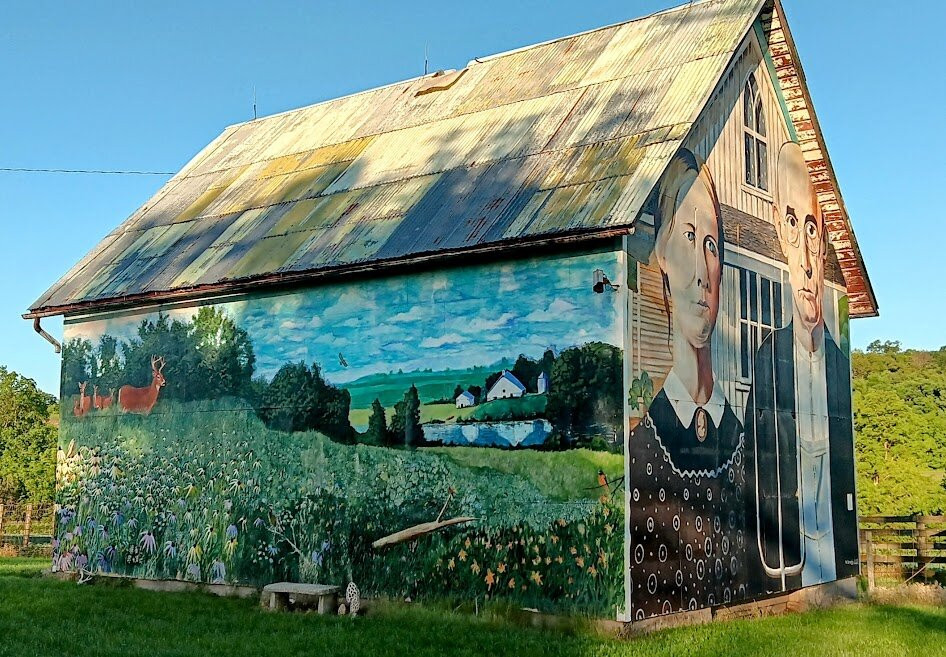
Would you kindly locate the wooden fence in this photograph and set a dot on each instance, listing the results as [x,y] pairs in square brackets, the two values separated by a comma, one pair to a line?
[25,525]
[902,547]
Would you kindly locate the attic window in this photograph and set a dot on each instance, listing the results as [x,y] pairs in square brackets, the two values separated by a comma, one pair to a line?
[756,151]
[440,81]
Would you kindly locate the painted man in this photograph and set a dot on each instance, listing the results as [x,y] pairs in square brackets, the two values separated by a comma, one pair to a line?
[799,438]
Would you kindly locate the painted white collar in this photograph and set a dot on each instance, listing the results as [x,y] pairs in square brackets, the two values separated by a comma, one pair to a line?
[685,407]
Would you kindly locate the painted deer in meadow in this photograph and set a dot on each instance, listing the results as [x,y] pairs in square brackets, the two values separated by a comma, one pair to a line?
[84,403]
[142,400]
[99,402]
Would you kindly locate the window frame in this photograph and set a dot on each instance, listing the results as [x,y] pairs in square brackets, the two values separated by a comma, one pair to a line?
[752,332]
[755,142]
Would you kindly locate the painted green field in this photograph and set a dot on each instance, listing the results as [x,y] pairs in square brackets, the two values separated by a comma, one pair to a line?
[559,475]
[47,617]
[389,388]
[529,406]
[428,413]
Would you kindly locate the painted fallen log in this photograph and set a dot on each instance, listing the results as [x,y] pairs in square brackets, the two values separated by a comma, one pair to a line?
[419,530]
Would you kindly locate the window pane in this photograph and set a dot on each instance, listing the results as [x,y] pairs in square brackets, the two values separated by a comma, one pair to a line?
[743,295]
[765,332]
[759,118]
[777,290]
[750,159]
[753,297]
[763,165]
[744,349]
[766,301]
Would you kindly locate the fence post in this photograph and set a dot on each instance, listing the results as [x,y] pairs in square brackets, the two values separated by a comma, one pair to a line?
[26,525]
[923,555]
[2,510]
[869,541]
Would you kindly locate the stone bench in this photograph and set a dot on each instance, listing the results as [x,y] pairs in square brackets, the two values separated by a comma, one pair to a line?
[287,595]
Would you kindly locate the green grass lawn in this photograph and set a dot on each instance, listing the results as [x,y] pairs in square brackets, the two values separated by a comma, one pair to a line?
[48,617]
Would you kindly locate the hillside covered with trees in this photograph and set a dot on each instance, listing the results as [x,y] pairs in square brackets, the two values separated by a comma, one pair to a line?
[900,429]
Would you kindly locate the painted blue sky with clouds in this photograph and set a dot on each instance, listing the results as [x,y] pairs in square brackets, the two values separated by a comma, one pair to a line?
[447,319]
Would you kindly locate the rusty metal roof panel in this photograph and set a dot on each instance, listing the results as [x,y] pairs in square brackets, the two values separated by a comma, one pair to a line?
[561,138]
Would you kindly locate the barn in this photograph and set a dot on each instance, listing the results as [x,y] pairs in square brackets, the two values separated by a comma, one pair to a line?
[644,216]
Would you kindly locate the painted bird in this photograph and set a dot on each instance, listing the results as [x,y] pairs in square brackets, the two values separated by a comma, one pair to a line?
[603,481]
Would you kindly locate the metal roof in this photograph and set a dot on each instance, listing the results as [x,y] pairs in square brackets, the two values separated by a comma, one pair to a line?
[558,140]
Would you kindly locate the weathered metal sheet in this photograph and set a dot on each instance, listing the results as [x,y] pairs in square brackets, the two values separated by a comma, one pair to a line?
[563,137]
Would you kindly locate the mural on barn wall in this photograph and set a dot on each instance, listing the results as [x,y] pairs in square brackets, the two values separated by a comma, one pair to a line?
[733,496]
[315,436]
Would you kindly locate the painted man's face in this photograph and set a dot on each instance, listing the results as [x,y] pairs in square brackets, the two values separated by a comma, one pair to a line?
[802,235]
[688,253]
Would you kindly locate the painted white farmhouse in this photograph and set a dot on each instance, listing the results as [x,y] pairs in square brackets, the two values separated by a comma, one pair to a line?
[507,386]
[465,399]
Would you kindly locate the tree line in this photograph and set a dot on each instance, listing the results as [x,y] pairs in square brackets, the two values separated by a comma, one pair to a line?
[900,429]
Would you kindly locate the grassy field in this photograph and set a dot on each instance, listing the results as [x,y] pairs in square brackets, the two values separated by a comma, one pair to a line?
[47,617]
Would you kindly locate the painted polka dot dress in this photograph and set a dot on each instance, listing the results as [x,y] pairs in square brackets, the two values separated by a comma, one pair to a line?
[687,527]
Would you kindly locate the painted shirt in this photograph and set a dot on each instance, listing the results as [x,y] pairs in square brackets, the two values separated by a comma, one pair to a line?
[811,400]
[687,529]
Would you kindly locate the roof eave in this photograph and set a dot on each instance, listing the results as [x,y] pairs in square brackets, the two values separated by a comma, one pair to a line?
[277,280]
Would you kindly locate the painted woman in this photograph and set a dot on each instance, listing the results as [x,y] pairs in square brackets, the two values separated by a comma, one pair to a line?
[686,478]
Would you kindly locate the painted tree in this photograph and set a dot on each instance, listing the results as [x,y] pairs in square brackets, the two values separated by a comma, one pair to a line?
[226,353]
[377,424]
[405,425]
[78,365]
[586,392]
[299,399]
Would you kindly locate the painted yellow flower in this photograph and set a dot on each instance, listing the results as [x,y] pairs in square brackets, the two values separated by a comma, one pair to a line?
[501,568]
[580,561]
[573,550]
[490,579]
[606,511]
[462,555]
[536,577]
[475,567]
[536,561]
[561,522]
[554,538]
[451,564]
[512,583]
[467,542]
[608,529]
[592,570]
[559,559]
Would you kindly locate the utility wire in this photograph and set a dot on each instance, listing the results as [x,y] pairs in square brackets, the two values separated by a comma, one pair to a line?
[88,171]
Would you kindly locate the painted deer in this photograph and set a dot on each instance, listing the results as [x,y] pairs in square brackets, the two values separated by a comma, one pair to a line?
[142,400]
[84,403]
[99,402]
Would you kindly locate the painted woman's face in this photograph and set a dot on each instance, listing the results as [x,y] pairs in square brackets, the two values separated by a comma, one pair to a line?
[687,250]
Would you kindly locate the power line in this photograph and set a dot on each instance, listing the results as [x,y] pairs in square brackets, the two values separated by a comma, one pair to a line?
[87,171]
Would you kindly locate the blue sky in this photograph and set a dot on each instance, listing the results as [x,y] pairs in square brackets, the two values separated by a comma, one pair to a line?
[146,85]
[456,318]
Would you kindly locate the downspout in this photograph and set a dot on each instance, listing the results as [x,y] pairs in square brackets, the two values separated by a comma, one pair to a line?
[46,336]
